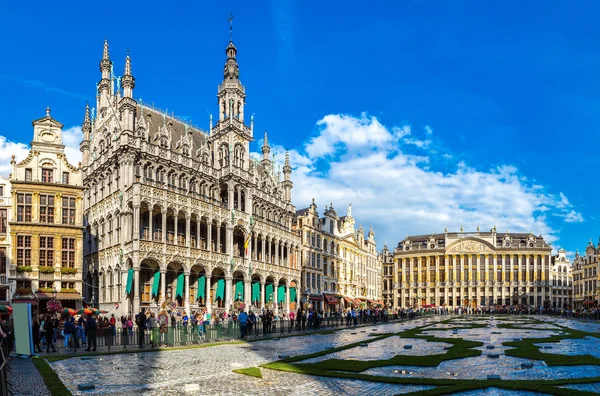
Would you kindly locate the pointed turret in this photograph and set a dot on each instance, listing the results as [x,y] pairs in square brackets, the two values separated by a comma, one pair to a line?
[104,86]
[265,148]
[86,128]
[127,81]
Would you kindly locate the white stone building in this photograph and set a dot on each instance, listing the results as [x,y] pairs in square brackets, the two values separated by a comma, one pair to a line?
[562,281]
[170,206]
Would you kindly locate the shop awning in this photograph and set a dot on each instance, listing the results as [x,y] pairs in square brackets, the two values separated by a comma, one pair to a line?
[590,302]
[358,302]
[315,298]
[59,296]
[331,299]
[348,300]
[372,301]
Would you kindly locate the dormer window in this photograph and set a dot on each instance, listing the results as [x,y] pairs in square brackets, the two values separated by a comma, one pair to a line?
[185,151]
[47,175]
[164,142]
[65,177]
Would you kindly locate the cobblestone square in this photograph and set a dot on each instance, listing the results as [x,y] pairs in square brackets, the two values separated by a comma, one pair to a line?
[168,372]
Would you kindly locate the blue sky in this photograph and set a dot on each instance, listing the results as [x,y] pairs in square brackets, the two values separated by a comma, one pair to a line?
[423,114]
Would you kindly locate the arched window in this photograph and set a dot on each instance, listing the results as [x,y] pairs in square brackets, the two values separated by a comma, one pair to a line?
[164,142]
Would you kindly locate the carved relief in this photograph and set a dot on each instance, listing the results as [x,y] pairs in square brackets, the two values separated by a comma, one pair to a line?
[469,247]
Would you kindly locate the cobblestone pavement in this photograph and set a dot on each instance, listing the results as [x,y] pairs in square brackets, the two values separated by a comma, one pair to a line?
[25,379]
[168,372]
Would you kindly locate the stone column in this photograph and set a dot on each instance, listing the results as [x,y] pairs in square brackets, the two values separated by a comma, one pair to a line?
[263,249]
[150,224]
[136,290]
[219,249]
[188,227]
[175,228]
[136,222]
[287,299]
[186,277]
[228,292]
[164,226]
[208,295]
[163,286]
[495,279]
[198,240]
[208,235]
[535,281]
[275,291]
[247,295]
[262,294]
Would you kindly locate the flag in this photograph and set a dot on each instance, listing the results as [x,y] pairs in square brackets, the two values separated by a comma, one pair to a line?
[247,241]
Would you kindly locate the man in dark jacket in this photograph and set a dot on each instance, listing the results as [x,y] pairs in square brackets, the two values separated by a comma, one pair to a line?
[141,324]
[92,327]
[49,327]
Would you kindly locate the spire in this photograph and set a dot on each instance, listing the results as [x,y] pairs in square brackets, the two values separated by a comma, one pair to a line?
[87,120]
[287,169]
[265,148]
[105,55]
[86,128]
[127,81]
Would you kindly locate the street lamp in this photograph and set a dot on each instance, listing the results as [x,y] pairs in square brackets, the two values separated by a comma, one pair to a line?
[54,293]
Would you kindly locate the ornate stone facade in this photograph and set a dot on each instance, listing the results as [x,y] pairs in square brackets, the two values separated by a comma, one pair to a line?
[180,215]
[339,265]
[46,227]
[386,258]
[585,277]
[562,281]
[472,269]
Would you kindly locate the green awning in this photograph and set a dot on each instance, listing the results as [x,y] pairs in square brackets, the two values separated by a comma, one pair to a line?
[281,294]
[239,291]
[256,292]
[269,293]
[201,287]
[220,289]
[292,294]
[155,284]
[129,280]
[180,284]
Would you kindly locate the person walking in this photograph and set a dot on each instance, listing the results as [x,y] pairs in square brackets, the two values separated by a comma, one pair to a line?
[92,327]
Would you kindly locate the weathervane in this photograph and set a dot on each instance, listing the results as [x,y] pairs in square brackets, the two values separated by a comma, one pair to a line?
[230,25]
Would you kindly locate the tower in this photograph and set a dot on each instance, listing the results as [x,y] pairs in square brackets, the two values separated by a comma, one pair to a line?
[287,182]
[86,128]
[127,104]
[105,86]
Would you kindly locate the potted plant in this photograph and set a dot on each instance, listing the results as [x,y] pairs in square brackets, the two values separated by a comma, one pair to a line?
[24,268]
[47,270]
[68,271]
[53,306]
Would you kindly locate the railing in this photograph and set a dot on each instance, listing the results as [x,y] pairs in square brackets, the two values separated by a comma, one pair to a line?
[195,334]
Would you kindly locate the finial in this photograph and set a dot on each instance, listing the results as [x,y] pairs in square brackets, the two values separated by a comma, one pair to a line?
[127,65]
[105,55]
[461,229]
[446,229]
[87,113]
[313,201]
[48,111]
[477,228]
[287,158]
[266,140]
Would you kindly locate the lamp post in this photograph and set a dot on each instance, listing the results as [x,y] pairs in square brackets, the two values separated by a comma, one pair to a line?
[54,293]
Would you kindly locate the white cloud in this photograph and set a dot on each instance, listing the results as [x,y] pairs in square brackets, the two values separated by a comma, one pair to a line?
[401,193]
[71,139]
[7,150]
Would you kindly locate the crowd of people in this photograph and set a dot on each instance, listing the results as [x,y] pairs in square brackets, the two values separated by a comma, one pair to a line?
[157,328]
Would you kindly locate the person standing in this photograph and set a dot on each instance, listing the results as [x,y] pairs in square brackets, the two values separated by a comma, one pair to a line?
[141,324]
[36,335]
[49,330]
[92,327]
[243,321]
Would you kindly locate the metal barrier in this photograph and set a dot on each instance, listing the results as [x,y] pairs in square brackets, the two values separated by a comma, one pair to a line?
[180,335]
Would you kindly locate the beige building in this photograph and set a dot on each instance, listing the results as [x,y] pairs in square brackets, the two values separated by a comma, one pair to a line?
[45,223]
[181,215]
[585,278]
[562,281]
[472,269]
[340,267]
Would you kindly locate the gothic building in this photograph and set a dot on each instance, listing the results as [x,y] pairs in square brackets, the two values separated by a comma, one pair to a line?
[585,277]
[179,215]
[473,269]
[562,281]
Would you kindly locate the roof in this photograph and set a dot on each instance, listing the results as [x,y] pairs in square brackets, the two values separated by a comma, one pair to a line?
[426,237]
